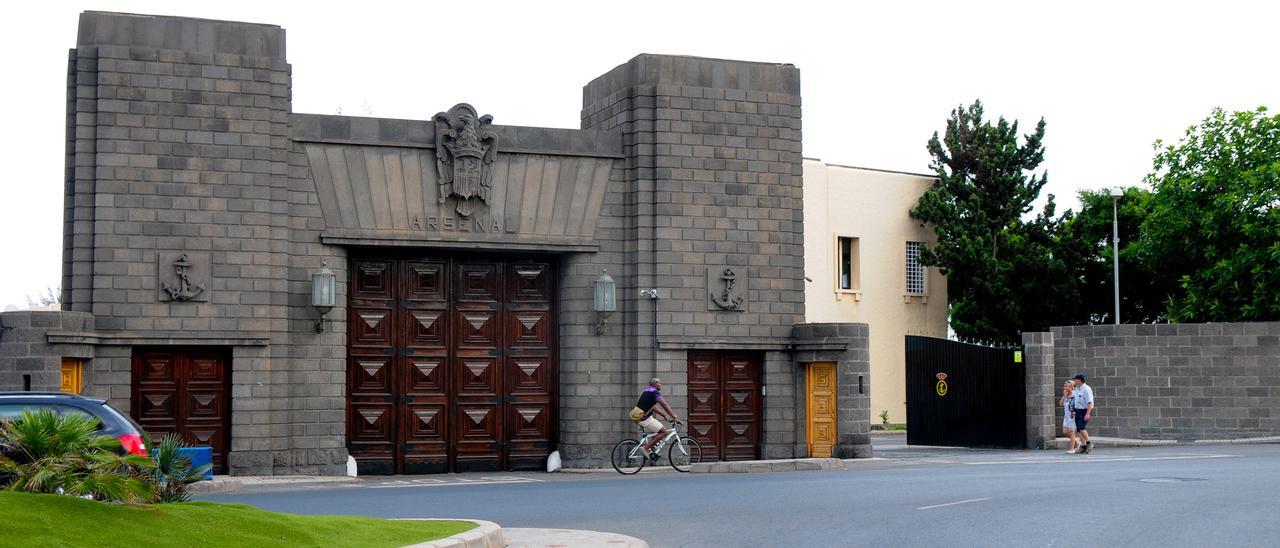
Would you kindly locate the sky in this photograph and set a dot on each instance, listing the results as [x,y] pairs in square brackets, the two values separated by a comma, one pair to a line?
[878,78]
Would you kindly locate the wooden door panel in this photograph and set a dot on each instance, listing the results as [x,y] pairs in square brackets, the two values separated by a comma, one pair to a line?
[426,281]
[530,282]
[529,441]
[157,368]
[528,376]
[478,283]
[742,412]
[372,279]
[478,329]
[371,327]
[529,329]
[372,365]
[704,402]
[454,362]
[156,410]
[427,376]
[426,435]
[821,408]
[478,437]
[477,377]
[185,390]
[724,404]
[426,328]
[369,376]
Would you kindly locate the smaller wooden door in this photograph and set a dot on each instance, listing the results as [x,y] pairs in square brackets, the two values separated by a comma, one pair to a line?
[188,391]
[725,407]
[820,385]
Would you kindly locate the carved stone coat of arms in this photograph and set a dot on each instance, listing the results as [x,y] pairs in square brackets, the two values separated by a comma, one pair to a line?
[466,146]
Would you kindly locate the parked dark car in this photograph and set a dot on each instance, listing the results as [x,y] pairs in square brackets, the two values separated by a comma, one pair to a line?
[113,423]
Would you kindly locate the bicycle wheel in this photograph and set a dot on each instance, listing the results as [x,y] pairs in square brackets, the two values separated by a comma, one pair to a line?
[684,454]
[628,457]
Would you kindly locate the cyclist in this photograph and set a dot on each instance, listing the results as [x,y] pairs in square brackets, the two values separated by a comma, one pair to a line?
[651,402]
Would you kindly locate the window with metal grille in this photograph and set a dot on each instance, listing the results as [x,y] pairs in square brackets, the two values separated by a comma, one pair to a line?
[915,270]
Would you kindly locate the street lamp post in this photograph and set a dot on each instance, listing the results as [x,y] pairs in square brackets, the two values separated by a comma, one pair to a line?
[1116,194]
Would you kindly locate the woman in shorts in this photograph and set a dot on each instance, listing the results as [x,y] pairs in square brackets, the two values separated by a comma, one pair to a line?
[1068,422]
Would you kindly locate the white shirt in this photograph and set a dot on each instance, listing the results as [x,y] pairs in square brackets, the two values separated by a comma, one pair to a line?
[1083,397]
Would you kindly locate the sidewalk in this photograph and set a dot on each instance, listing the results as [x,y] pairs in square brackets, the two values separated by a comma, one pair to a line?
[732,467]
[492,535]
[1103,441]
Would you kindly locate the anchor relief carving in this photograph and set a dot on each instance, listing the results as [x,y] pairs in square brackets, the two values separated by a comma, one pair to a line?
[188,286]
[725,290]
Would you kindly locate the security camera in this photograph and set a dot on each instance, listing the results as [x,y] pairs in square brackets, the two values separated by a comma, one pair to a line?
[649,293]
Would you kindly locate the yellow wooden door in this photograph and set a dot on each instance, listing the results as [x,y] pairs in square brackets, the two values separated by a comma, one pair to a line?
[72,375]
[821,388]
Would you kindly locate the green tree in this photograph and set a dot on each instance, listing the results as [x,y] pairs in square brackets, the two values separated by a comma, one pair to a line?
[1215,218]
[1083,244]
[984,247]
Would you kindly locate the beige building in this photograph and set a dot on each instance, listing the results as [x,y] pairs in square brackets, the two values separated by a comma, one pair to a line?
[861,257]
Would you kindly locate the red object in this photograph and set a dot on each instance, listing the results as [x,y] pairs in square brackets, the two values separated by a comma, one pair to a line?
[133,445]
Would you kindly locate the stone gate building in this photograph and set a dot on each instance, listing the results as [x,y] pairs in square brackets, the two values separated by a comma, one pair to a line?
[202,216]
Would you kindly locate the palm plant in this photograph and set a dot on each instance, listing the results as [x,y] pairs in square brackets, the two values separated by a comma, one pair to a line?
[173,470]
[47,452]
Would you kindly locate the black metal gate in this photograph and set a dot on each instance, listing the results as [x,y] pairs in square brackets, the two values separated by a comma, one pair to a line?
[965,395]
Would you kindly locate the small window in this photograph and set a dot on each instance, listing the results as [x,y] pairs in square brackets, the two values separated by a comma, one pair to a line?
[915,270]
[847,263]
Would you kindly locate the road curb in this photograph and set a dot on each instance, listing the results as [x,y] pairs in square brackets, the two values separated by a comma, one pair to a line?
[234,484]
[764,466]
[487,534]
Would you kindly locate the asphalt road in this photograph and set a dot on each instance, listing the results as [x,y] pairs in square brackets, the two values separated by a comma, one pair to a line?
[1218,495]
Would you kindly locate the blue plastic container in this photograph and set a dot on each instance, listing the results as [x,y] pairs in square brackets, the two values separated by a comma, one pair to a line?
[200,455]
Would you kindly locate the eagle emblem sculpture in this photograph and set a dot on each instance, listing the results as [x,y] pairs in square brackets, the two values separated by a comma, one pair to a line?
[466,146]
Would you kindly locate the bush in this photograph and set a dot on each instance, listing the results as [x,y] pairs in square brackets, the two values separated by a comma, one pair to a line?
[63,454]
[173,471]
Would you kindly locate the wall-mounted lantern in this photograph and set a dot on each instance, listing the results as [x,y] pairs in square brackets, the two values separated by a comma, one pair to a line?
[606,300]
[324,293]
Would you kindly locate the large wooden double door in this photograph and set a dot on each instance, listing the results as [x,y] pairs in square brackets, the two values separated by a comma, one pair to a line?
[451,364]
[725,404]
[185,390]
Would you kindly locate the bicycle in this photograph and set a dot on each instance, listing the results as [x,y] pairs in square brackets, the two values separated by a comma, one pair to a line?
[628,456]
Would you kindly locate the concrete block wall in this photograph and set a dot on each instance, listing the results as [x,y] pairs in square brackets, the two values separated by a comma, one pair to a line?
[27,356]
[596,370]
[1042,390]
[711,178]
[317,376]
[1180,381]
[178,142]
[848,345]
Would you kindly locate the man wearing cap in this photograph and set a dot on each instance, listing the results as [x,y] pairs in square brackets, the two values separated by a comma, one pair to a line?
[1082,408]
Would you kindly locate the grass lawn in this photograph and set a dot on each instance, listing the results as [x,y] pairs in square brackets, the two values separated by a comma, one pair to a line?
[55,520]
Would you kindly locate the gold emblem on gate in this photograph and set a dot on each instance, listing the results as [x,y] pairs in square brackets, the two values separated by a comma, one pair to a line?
[942,384]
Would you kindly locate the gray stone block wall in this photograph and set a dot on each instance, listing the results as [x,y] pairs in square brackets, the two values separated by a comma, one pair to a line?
[848,345]
[317,375]
[26,354]
[178,142]
[1042,392]
[711,178]
[1179,381]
